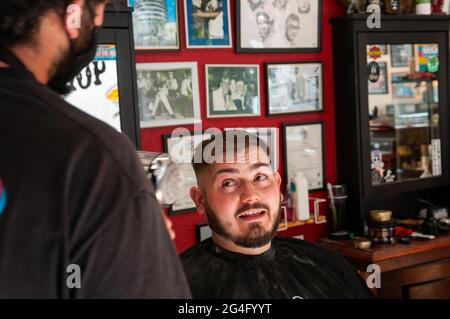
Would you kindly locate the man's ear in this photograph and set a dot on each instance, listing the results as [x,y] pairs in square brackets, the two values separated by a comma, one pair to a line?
[72,18]
[198,199]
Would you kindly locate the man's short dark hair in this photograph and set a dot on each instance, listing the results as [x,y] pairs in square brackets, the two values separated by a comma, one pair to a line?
[19,19]
[198,161]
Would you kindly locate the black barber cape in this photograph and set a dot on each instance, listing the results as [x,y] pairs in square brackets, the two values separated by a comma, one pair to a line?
[76,194]
[291,268]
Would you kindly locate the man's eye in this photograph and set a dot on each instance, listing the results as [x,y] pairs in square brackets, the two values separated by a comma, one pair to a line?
[228,183]
[260,177]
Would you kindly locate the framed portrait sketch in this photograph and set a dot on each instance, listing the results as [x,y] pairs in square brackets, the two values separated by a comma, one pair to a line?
[294,87]
[380,86]
[168,94]
[278,25]
[208,24]
[268,135]
[181,149]
[155,25]
[304,151]
[401,54]
[232,90]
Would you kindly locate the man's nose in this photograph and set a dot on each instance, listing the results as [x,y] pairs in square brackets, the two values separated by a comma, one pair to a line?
[249,193]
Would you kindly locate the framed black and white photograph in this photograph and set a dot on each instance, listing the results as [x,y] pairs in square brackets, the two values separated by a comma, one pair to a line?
[294,87]
[156,25]
[380,86]
[278,25]
[168,94]
[203,232]
[304,151]
[270,136]
[208,24]
[232,90]
[401,54]
[181,150]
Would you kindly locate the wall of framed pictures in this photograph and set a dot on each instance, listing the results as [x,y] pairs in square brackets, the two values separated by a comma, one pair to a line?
[299,72]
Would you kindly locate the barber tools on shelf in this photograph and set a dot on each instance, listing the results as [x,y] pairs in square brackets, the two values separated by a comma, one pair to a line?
[165,175]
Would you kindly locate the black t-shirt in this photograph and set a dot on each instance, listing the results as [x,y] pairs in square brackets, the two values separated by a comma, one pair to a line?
[291,268]
[76,193]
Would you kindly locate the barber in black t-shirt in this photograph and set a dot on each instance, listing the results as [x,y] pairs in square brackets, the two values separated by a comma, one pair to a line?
[78,218]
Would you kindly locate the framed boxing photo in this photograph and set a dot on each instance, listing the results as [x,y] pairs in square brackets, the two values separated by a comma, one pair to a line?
[168,94]
[278,25]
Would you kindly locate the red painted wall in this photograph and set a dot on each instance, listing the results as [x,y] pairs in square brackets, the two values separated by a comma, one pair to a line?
[151,139]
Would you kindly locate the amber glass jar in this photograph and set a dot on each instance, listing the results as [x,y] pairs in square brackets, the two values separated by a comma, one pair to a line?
[392,6]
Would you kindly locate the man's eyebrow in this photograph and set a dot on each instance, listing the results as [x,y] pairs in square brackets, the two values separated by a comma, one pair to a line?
[231,170]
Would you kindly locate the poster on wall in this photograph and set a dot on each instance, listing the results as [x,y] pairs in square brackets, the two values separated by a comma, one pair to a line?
[208,23]
[155,25]
[278,25]
[95,89]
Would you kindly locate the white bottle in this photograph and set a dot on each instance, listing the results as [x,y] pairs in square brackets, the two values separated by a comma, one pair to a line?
[301,197]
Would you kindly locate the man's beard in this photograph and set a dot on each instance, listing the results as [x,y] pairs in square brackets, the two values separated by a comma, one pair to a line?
[80,53]
[256,235]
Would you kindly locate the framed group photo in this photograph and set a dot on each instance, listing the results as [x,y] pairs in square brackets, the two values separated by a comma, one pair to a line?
[156,25]
[181,150]
[304,151]
[168,94]
[278,25]
[232,90]
[294,87]
[208,24]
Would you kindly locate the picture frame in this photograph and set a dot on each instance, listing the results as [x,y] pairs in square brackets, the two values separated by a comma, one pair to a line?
[304,151]
[208,24]
[203,231]
[294,87]
[400,54]
[406,89]
[168,94]
[278,26]
[381,85]
[182,155]
[156,25]
[270,136]
[232,90]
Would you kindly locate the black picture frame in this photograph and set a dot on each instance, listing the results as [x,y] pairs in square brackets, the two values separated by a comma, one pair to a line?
[316,45]
[384,89]
[270,102]
[396,59]
[287,174]
[147,17]
[202,231]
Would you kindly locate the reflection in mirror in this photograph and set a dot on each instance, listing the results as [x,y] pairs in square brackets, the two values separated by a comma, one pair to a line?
[403,111]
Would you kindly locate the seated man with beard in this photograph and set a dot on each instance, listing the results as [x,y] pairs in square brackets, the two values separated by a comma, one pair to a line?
[241,199]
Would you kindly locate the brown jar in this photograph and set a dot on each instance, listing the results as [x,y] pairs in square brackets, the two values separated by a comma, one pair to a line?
[392,6]
[408,6]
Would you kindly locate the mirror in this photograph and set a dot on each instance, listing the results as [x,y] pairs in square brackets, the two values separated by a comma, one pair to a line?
[403,97]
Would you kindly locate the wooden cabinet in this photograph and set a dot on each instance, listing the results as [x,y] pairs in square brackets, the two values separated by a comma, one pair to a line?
[391,104]
[419,270]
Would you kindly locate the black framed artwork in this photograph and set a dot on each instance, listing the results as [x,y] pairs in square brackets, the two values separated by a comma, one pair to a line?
[294,87]
[278,26]
[304,151]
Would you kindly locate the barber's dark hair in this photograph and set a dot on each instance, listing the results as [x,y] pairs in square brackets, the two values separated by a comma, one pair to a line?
[19,19]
